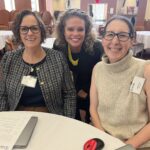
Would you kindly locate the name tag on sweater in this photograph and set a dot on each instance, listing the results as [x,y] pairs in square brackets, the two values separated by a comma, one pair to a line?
[137,85]
[29,81]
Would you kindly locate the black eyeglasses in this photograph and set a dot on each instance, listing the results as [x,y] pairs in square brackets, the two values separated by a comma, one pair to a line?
[122,36]
[34,29]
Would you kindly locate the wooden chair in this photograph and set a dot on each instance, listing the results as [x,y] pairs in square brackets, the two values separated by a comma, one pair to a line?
[139,28]
[48,21]
[4,20]
[147,25]
[13,14]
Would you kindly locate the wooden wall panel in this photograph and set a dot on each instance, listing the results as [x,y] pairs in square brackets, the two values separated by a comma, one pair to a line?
[2,5]
[111,4]
[22,4]
[141,13]
[42,5]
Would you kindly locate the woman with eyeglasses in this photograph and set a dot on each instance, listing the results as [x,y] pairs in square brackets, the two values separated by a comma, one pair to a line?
[82,50]
[120,87]
[34,78]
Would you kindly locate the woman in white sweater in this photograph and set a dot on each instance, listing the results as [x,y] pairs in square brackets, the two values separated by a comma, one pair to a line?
[120,88]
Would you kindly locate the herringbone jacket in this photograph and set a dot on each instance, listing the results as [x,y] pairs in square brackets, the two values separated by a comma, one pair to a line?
[54,78]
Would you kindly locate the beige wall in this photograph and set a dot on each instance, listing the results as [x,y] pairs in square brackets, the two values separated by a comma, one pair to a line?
[130,3]
[119,6]
[147,14]
[24,4]
[49,5]
[75,4]
[58,5]
[2,5]
[61,4]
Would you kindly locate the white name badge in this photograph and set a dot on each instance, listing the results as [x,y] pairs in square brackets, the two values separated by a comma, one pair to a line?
[137,85]
[29,81]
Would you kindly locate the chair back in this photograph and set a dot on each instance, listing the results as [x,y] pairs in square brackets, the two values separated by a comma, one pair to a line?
[147,25]
[5,18]
[48,21]
[13,14]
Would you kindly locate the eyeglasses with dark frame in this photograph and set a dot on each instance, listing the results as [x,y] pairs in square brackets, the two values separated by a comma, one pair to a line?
[25,29]
[122,36]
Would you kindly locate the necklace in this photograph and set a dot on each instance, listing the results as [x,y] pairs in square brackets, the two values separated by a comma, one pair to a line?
[73,62]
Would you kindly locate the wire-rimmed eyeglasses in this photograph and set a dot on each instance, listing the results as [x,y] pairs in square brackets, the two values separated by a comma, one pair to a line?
[122,36]
[34,29]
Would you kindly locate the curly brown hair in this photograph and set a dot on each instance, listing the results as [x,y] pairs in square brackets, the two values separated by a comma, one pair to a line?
[90,36]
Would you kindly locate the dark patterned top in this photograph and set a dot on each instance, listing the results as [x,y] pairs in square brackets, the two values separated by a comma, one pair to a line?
[54,78]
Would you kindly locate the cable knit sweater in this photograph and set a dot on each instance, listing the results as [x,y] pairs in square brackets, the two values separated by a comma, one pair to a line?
[122,112]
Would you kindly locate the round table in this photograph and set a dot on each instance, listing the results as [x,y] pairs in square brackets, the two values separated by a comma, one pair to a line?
[144,37]
[55,132]
[4,34]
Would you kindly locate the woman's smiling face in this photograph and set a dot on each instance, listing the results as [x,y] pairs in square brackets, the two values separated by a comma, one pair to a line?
[74,32]
[30,39]
[116,49]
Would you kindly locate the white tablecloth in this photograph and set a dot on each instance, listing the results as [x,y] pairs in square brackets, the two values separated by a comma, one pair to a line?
[144,37]
[54,132]
[3,36]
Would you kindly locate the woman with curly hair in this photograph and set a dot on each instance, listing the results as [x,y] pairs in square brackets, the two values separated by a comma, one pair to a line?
[82,50]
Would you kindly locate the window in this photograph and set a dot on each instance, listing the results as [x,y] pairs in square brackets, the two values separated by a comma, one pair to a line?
[35,5]
[9,5]
[98,12]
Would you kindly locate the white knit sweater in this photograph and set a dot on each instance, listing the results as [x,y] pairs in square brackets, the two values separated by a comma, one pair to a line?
[122,112]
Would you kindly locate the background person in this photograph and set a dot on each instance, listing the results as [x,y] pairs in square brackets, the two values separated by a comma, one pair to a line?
[120,87]
[35,78]
[76,40]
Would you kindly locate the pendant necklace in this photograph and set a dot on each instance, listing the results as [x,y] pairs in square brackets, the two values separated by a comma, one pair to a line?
[73,62]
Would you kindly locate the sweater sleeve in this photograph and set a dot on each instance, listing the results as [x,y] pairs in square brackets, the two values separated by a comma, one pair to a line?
[4,66]
[68,91]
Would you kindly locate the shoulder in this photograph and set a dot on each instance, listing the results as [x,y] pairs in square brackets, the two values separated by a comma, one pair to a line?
[57,46]
[143,67]
[97,70]
[97,66]
[10,55]
[147,80]
[52,54]
[147,69]
[139,63]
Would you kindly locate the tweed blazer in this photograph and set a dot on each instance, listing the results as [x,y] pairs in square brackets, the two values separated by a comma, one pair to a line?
[54,78]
